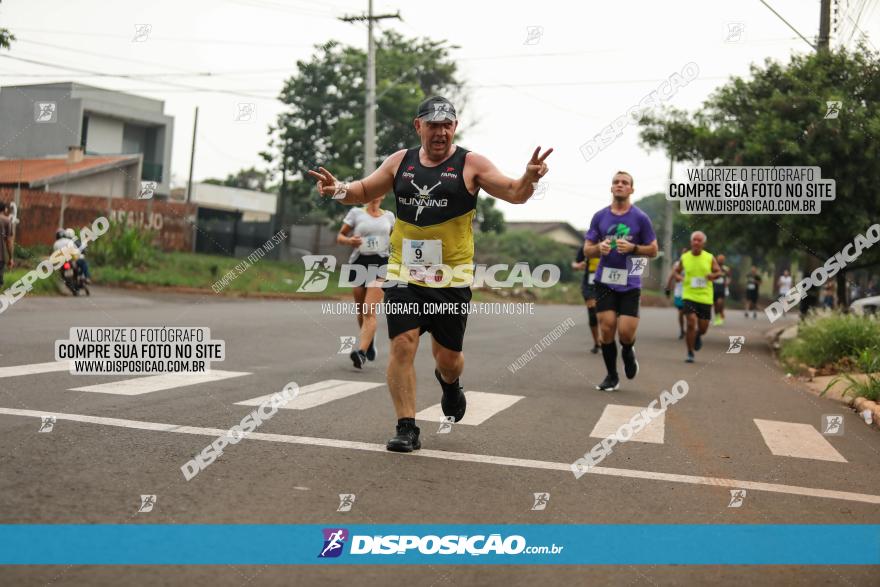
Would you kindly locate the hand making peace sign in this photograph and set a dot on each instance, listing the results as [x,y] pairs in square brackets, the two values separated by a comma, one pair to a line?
[536,168]
[327,184]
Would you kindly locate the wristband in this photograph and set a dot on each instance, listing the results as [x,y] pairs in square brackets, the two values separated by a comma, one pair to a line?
[341,190]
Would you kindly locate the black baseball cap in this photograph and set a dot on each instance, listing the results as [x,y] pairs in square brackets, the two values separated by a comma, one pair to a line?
[436,109]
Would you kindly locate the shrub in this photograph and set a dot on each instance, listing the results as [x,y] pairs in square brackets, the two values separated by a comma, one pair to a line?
[868,362]
[124,246]
[523,247]
[831,339]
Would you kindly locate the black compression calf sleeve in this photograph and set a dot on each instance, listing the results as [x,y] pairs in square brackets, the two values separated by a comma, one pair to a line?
[609,354]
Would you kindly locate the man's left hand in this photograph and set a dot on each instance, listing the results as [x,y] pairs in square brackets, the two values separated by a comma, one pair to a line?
[536,168]
[624,246]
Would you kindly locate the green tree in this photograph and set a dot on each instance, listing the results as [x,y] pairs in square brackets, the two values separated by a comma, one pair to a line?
[778,118]
[522,246]
[6,38]
[324,120]
[491,219]
[655,207]
[247,179]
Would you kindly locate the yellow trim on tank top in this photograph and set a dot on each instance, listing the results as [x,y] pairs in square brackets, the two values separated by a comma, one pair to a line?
[457,236]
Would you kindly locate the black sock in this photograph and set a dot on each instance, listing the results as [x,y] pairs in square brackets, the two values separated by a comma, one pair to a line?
[609,353]
[626,349]
[406,421]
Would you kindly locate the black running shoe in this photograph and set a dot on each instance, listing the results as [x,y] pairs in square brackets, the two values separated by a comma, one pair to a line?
[358,358]
[371,352]
[453,402]
[407,439]
[630,364]
[595,350]
[698,343]
[609,384]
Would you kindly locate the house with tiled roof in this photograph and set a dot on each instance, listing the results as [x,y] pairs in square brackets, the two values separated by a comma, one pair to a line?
[116,176]
[39,123]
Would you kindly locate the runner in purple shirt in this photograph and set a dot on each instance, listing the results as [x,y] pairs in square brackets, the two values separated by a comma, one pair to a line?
[622,236]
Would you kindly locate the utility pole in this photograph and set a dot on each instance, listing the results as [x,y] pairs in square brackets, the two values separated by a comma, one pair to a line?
[667,233]
[824,26]
[192,157]
[189,183]
[370,102]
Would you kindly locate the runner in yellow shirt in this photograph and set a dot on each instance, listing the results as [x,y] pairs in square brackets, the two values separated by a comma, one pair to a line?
[701,268]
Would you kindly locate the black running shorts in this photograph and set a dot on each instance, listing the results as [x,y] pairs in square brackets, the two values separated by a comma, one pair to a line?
[703,311]
[624,303]
[718,291]
[378,263]
[588,290]
[442,311]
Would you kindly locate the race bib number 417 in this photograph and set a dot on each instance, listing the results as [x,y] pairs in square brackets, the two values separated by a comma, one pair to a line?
[613,276]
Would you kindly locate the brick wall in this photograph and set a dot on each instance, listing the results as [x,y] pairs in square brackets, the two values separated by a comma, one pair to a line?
[39,216]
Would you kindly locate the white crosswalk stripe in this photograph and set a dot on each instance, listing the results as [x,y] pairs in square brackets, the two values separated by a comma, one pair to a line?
[790,439]
[318,394]
[786,439]
[34,369]
[142,385]
[614,416]
[480,407]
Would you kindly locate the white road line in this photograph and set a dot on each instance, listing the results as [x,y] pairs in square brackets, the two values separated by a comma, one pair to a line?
[789,439]
[465,457]
[614,416]
[317,394]
[34,369]
[142,385]
[480,407]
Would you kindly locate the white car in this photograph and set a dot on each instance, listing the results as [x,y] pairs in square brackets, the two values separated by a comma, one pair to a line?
[865,306]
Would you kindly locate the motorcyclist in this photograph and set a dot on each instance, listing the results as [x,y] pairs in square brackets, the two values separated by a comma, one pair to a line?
[81,262]
[63,240]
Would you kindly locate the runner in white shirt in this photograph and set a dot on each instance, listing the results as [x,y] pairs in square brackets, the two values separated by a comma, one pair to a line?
[784,283]
[367,231]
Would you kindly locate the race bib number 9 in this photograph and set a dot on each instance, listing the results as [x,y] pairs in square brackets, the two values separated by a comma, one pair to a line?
[424,253]
[612,276]
[698,282]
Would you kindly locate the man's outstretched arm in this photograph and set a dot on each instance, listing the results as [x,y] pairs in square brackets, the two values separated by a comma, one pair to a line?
[498,185]
[361,191]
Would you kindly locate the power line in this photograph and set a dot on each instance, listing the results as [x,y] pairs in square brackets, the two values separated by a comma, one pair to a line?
[127,76]
[788,24]
[263,4]
[583,83]
[187,40]
[181,73]
[855,26]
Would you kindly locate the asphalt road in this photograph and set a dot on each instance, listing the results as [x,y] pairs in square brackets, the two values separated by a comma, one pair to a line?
[708,444]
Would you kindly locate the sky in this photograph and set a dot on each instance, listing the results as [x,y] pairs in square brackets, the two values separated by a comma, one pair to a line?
[546,73]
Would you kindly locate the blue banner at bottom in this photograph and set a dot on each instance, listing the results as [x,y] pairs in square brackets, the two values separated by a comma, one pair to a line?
[481,544]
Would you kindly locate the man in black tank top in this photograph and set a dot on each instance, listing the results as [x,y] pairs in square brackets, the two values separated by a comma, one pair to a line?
[435,188]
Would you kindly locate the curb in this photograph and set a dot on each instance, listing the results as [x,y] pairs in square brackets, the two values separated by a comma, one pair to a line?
[860,405]
[864,406]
